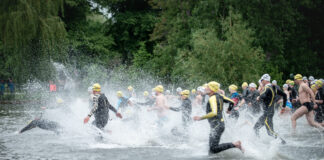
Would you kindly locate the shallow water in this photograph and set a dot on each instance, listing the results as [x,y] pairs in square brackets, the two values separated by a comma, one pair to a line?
[142,138]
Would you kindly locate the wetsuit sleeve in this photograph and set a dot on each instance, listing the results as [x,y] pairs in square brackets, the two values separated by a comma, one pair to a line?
[284,96]
[228,100]
[94,106]
[148,102]
[213,106]
[111,107]
[176,109]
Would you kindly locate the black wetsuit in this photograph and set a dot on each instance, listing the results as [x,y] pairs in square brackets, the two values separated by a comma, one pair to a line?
[293,95]
[236,98]
[214,110]
[186,109]
[245,93]
[319,112]
[267,97]
[43,124]
[252,98]
[277,97]
[100,110]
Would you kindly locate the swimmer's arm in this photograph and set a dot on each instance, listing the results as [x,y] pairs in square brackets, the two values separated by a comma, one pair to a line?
[176,109]
[94,108]
[149,102]
[213,106]
[284,96]
[228,100]
[111,107]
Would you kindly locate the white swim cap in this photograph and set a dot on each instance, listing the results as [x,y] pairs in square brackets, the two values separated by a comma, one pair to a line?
[274,82]
[266,77]
[285,86]
[252,85]
[179,89]
[311,78]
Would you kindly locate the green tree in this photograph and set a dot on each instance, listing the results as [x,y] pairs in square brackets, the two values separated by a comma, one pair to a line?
[230,60]
[31,32]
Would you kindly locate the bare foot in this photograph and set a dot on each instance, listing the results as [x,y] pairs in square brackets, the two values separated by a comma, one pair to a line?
[238,145]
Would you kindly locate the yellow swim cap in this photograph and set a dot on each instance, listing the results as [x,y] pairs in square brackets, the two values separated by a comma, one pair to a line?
[185,93]
[130,88]
[158,88]
[245,84]
[319,83]
[145,93]
[313,87]
[193,91]
[298,77]
[233,87]
[292,83]
[119,94]
[59,100]
[96,87]
[288,81]
[214,86]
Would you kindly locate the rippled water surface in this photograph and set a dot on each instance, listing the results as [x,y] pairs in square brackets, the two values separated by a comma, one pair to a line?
[141,138]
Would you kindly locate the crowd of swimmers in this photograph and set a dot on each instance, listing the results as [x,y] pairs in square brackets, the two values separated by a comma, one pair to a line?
[297,97]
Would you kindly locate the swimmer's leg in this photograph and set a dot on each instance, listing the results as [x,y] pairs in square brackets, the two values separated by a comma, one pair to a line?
[214,138]
[259,124]
[310,120]
[297,114]
[49,125]
[29,126]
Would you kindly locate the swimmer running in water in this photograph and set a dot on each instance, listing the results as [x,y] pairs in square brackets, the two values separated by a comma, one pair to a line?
[214,115]
[267,97]
[160,104]
[42,123]
[185,108]
[100,109]
[306,96]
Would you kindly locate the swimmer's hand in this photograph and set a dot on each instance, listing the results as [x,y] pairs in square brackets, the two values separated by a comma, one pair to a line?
[236,108]
[228,112]
[258,98]
[86,120]
[315,106]
[197,118]
[119,115]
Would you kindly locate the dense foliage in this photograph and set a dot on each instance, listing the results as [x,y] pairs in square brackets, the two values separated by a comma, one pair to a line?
[184,42]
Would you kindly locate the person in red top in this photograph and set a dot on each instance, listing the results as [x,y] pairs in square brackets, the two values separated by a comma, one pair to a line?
[52,86]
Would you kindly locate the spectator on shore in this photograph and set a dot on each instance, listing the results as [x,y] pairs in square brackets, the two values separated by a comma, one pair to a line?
[2,88]
[11,86]
[52,86]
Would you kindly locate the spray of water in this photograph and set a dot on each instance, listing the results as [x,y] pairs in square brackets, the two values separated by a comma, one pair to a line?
[139,128]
